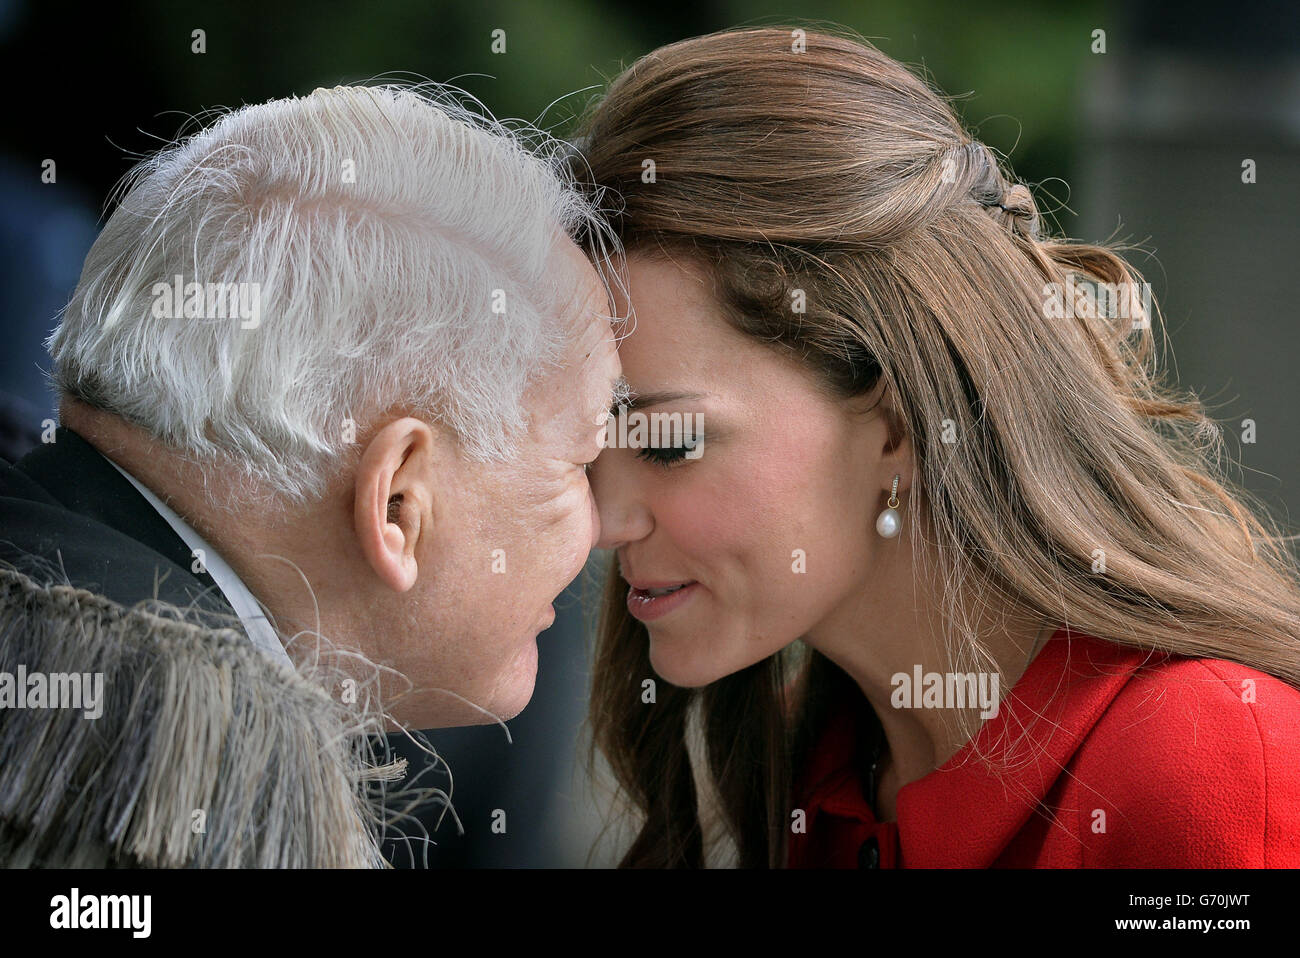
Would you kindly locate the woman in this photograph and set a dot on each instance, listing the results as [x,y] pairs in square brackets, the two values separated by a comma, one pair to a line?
[1082,650]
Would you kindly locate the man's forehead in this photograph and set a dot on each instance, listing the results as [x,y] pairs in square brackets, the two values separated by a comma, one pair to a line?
[585,302]
[599,297]
[604,375]
[593,306]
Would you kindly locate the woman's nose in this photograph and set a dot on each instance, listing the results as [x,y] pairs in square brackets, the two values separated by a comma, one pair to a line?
[622,512]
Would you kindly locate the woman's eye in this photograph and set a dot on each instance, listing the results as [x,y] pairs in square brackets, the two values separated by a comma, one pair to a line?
[669,456]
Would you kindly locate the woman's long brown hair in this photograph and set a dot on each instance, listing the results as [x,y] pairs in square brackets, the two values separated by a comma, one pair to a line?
[1055,467]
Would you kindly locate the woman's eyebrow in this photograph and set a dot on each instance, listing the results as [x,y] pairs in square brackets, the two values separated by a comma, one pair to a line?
[643,400]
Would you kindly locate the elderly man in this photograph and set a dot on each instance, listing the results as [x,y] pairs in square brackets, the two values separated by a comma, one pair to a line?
[330,382]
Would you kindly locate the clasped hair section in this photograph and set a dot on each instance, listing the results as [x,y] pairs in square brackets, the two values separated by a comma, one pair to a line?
[974,171]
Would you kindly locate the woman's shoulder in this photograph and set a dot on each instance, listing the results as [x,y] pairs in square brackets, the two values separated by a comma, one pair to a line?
[1202,755]
[1202,700]
[1170,698]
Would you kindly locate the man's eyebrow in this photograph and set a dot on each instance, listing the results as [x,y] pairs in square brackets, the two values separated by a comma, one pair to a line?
[618,393]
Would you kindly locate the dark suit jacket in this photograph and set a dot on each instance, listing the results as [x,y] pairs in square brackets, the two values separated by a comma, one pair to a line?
[67,515]
[78,794]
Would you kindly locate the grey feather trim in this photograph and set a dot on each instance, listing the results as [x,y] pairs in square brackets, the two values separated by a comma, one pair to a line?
[198,728]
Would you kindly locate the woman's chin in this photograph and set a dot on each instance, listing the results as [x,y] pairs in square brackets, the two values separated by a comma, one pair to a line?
[684,672]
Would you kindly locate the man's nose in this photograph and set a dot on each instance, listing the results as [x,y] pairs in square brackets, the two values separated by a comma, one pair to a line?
[622,515]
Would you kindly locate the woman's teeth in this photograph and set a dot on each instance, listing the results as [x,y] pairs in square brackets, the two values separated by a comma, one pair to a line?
[655,593]
[647,604]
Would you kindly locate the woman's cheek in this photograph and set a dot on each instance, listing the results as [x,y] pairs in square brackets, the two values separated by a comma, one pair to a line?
[703,525]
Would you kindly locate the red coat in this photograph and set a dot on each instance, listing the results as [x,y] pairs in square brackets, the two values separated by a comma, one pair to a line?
[1163,764]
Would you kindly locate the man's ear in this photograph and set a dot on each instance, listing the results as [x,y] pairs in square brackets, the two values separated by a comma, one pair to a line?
[393,504]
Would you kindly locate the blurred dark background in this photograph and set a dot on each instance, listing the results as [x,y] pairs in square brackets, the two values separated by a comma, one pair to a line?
[1144,142]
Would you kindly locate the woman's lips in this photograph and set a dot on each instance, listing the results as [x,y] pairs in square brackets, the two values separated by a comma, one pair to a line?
[653,602]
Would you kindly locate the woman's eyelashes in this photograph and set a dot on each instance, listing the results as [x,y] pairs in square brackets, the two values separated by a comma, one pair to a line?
[669,456]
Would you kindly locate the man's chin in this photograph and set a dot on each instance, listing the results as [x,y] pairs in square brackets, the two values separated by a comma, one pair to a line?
[517,690]
[495,700]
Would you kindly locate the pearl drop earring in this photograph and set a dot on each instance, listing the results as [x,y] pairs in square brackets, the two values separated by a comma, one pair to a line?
[889,522]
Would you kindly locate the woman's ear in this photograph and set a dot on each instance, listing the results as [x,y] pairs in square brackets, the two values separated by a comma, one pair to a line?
[393,500]
[897,455]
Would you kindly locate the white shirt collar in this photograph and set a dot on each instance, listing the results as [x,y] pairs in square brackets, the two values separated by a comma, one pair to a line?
[245,604]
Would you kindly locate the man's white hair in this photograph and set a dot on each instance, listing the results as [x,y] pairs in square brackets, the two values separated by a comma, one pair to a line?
[400,243]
